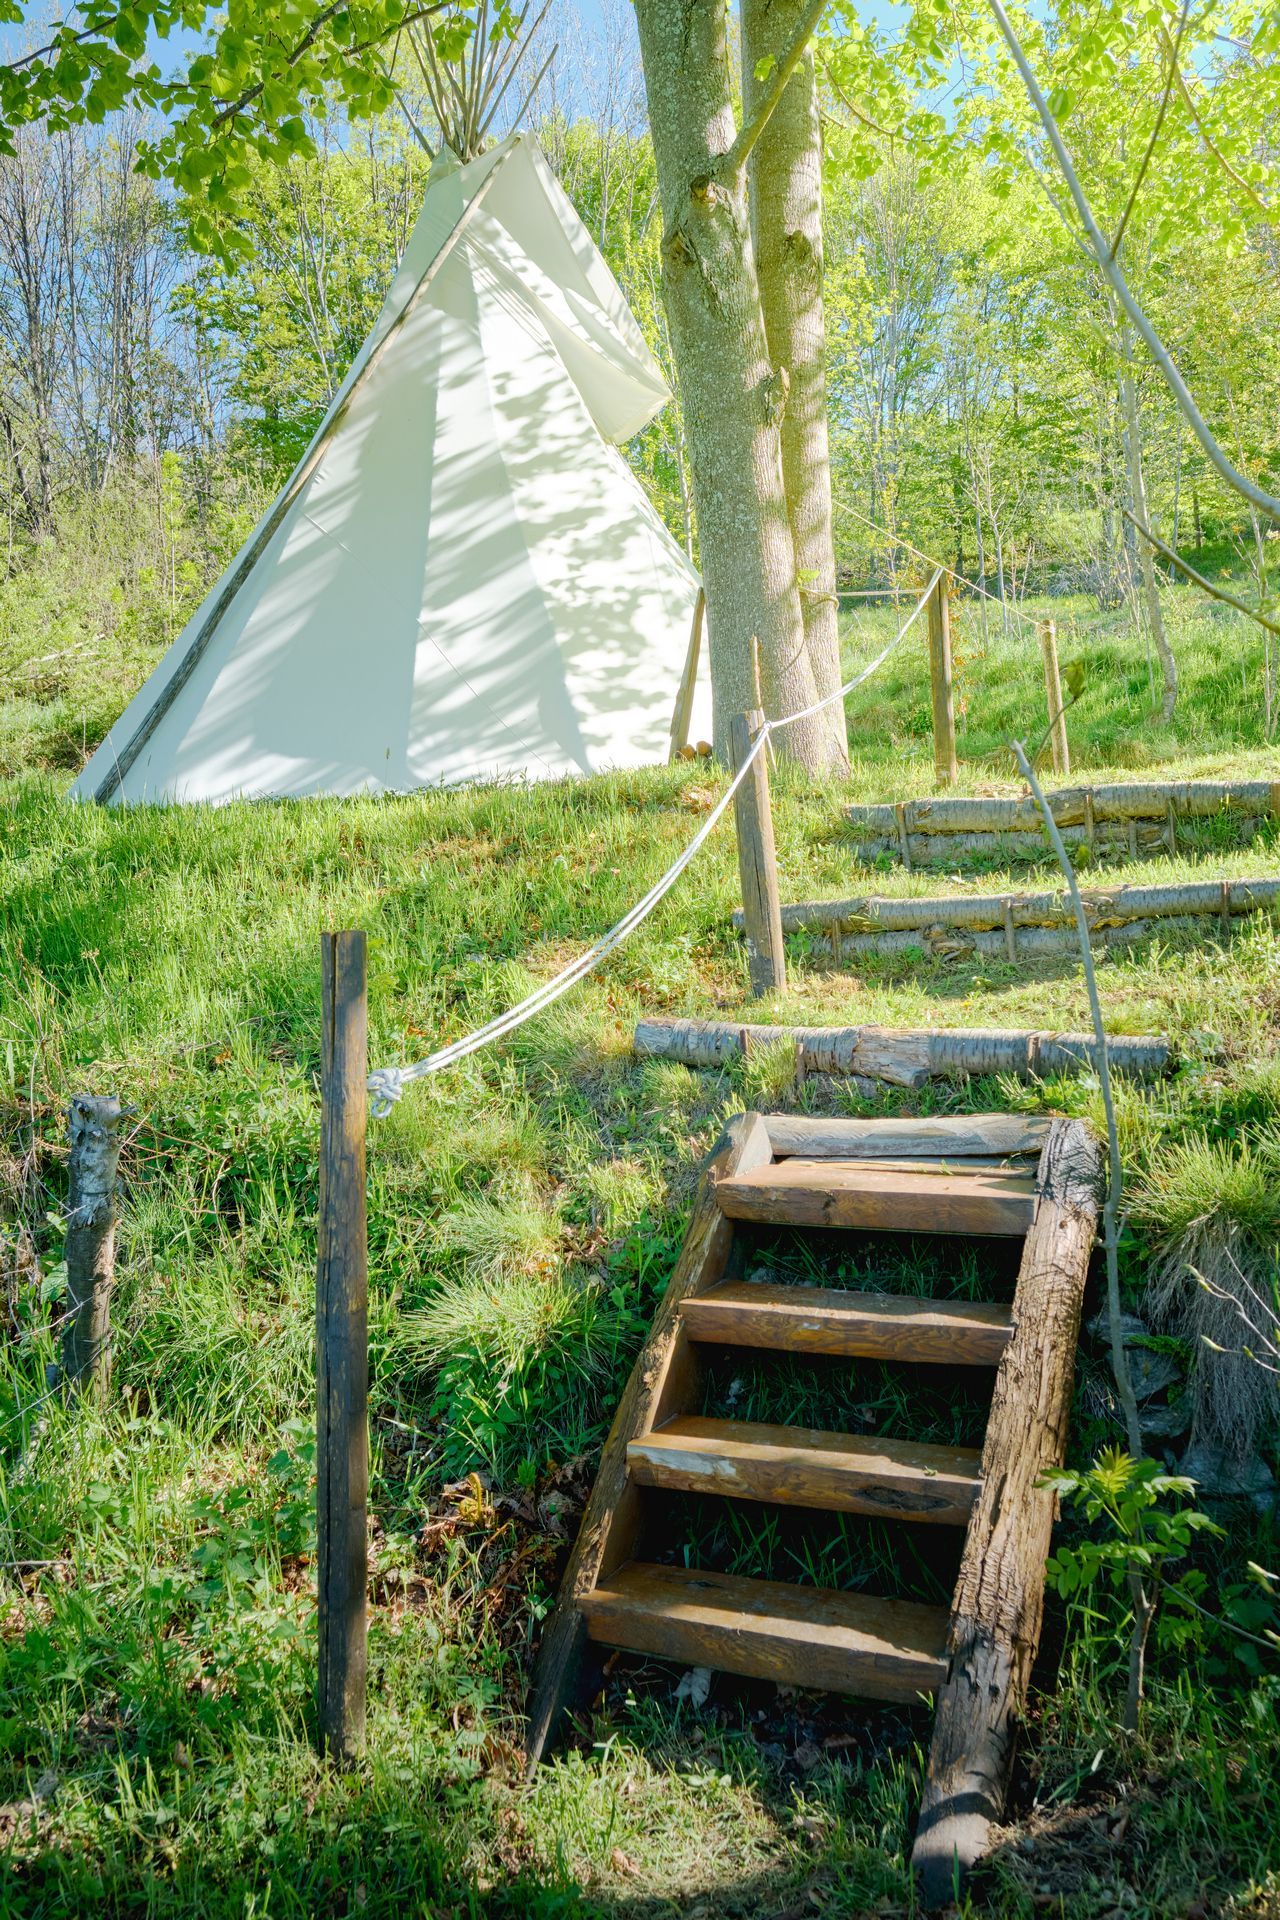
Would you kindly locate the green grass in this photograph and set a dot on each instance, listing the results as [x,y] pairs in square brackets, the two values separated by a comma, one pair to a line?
[156,1652]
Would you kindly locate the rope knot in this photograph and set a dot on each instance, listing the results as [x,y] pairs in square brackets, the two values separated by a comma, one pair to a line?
[386,1085]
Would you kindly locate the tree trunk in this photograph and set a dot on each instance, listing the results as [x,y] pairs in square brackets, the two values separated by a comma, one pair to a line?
[733,397]
[784,178]
[1138,491]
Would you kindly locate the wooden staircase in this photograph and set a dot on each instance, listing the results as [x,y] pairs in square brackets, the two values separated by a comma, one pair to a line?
[984,1176]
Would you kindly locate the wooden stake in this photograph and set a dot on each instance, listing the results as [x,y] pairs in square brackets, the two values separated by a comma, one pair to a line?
[904,838]
[1053,694]
[802,1068]
[93,1127]
[342,1357]
[945,767]
[757,861]
[680,719]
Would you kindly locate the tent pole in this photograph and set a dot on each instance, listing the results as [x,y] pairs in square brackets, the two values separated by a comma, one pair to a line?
[124,759]
[688,681]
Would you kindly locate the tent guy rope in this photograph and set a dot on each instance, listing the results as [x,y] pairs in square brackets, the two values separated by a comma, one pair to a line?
[847,506]
[387,1084]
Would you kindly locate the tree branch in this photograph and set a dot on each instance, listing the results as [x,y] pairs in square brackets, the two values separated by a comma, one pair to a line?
[1218,593]
[1265,502]
[736,158]
[1221,158]
[1155,131]
[850,107]
[62,32]
[308,40]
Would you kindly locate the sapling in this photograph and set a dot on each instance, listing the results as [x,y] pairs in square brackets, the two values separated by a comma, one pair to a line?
[1140,1599]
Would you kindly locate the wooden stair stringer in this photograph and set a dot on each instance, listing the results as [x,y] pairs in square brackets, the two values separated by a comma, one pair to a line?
[998,1604]
[661,1384]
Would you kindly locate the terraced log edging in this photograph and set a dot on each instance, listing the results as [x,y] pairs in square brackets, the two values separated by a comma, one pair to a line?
[1133,818]
[903,1056]
[1022,925]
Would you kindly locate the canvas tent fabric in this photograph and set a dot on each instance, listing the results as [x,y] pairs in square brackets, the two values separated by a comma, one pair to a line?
[471,584]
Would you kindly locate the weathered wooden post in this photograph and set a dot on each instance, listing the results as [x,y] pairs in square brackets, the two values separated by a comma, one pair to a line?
[757,861]
[1053,694]
[946,770]
[342,1360]
[94,1124]
[681,718]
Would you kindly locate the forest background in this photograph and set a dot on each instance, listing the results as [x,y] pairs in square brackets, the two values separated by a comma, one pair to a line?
[984,405]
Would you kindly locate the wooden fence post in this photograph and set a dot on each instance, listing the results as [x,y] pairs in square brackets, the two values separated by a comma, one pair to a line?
[94,1127]
[1053,694]
[946,771]
[681,718]
[757,861]
[342,1359]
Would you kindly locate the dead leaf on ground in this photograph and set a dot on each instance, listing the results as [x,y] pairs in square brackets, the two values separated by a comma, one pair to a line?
[698,799]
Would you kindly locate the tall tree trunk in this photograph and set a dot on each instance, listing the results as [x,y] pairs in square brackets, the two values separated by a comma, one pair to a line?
[784,181]
[1138,493]
[732,397]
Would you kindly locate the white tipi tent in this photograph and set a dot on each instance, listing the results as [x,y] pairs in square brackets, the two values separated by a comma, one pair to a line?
[462,579]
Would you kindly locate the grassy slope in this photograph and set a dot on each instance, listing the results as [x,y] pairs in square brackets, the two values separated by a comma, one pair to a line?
[156,1666]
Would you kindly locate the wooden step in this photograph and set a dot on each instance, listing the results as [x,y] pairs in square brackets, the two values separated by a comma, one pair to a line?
[801,1636]
[798,1467]
[855,1326]
[866,1194]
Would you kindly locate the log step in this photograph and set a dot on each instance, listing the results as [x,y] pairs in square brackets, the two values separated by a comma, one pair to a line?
[853,1326]
[866,1194]
[800,1636]
[798,1467]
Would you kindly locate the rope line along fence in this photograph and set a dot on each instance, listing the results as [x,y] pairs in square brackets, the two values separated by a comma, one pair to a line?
[387,1084]
[1047,631]
[349,1091]
[927,559]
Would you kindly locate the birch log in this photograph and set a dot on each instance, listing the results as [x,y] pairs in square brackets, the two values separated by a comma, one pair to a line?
[945,849]
[947,943]
[94,1127]
[1121,800]
[903,1057]
[1104,907]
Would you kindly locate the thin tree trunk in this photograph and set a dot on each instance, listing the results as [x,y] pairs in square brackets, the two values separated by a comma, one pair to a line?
[1138,490]
[1177,486]
[784,179]
[732,397]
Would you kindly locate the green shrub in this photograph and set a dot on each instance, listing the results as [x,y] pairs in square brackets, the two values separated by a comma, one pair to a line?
[1212,1208]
